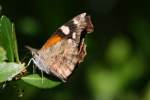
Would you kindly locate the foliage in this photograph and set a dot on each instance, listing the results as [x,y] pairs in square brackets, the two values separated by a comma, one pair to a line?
[37,81]
[9,70]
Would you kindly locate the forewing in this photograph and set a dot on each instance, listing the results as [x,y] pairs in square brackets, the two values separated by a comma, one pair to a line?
[65,48]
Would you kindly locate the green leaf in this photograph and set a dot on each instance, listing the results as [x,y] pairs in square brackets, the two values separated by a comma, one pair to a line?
[6,37]
[15,43]
[2,54]
[39,82]
[10,70]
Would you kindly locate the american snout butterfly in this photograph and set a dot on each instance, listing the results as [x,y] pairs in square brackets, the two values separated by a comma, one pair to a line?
[65,49]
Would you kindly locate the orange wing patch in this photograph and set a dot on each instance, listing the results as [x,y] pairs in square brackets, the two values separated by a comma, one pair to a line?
[52,41]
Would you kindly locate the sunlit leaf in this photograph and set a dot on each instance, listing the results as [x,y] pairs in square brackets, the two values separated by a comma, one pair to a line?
[2,54]
[39,82]
[6,37]
[15,43]
[9,70]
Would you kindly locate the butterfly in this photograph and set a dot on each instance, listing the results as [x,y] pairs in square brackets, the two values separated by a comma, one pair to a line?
[65,49]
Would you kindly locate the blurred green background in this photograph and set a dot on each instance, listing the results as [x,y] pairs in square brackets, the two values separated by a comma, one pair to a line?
[117,64]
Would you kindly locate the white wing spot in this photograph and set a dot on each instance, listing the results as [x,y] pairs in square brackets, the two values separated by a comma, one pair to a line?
[65,30]
[75,21]
[73,35]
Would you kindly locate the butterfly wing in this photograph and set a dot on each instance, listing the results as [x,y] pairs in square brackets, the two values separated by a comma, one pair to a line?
[65,48]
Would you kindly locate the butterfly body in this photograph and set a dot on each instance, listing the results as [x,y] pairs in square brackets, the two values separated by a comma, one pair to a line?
[65,49]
